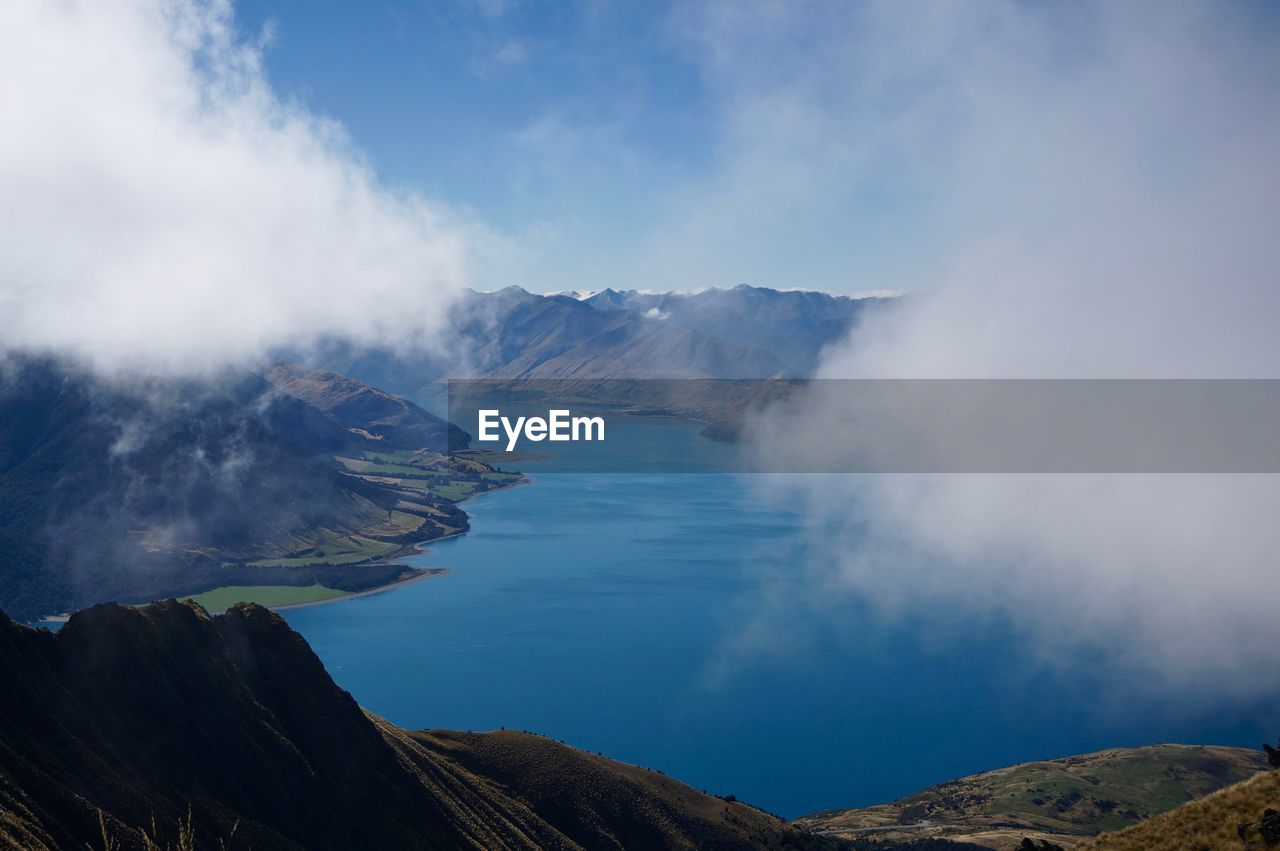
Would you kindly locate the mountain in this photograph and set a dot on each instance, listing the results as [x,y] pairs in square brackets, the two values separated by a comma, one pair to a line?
[385,417]
[745,332]
[557,337]
[792,325]
[1064,799]
[166,727]
[113,489]
[1244,815]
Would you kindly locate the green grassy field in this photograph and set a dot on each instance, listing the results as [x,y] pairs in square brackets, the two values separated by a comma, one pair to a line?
[455,491]
[337,549]
[447,485]
[390,456]
[221,599]
[373,468]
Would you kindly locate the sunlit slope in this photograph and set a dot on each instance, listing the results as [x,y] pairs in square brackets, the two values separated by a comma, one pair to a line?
[1078,795]
[1210,823]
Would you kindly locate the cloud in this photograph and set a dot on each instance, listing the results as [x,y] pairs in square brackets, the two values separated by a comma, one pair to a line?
[166,211]
[495,58]
[1102,187]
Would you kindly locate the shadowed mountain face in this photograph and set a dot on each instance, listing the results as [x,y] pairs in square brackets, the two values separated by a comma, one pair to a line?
[129,717]
[131,491]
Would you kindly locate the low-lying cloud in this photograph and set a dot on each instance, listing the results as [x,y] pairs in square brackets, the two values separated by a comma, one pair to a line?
[166,211]
[1106,192]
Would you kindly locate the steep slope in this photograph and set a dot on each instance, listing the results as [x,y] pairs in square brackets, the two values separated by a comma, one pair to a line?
[166,716]
[1079,795]
[597,802]
[392,420]
[1230,818]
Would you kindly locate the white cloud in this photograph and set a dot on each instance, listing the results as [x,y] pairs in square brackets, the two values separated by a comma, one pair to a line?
[1105,191]
[165,210]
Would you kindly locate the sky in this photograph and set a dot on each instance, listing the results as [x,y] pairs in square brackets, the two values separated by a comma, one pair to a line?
[588,133]
[679,145]
[844,146]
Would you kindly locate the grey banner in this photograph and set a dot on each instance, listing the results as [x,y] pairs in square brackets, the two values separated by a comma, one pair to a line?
[873,425]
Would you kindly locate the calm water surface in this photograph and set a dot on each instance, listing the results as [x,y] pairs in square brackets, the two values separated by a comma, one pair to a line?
[607,610]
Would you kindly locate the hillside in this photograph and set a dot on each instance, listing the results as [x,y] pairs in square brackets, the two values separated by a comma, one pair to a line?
[132,490]
[744,332]
[1072,797]
[391,420]
[131,724]
[1208,824]
[794,326]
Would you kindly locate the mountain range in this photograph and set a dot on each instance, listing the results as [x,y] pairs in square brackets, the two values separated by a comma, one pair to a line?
[744,332]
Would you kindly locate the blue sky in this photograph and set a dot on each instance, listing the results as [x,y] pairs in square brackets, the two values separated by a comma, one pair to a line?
[449,97]
[564,116]
[818,144]
[576,133]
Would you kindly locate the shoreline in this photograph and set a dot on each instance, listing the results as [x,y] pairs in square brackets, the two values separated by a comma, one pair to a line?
[419,548]
[422,547]
[427,573]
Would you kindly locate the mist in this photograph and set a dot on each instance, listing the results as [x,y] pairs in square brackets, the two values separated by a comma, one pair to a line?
[1104,200]
[167,212]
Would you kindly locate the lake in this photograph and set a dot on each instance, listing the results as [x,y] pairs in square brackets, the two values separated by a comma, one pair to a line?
[606,610]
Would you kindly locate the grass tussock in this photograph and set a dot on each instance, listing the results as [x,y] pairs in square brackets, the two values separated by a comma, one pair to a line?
[1207,824]
[184,836]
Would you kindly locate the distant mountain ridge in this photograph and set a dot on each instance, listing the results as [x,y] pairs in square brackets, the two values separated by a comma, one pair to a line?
[744,332]
[793,325]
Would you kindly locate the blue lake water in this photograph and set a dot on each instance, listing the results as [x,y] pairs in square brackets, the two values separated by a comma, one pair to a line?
[598,608]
